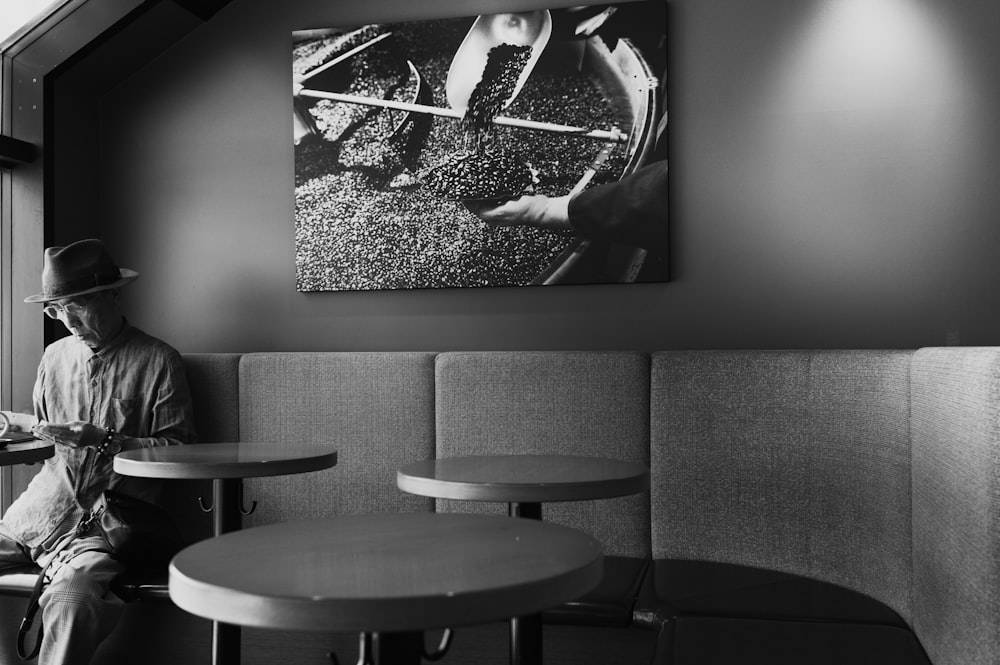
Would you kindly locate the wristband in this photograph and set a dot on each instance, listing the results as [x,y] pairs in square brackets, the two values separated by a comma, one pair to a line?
[110,445]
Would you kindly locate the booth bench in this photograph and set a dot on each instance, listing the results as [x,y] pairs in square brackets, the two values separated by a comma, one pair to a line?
[830,507]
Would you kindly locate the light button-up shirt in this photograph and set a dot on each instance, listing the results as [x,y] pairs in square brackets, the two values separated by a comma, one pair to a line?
[136,385]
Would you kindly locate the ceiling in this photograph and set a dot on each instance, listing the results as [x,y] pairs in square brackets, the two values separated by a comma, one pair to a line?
[99,43]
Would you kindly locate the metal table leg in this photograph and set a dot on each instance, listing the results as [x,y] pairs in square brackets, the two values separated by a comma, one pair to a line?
[526,631]
[227,516]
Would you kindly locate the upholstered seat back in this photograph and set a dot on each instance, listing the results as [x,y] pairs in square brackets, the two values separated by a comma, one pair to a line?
[956,503]
[576,403]
[793,461]
[377,409]
[215,394]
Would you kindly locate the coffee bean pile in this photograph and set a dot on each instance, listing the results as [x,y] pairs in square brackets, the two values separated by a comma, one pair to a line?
[479,175]
[485,172]
[317,52]
[363,221]
[504,64]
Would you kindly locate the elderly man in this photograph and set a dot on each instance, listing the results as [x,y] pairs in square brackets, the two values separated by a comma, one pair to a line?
[106,387]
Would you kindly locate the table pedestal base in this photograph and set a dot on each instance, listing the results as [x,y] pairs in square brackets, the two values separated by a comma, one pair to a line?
[531,510]
[406,648]
[526,631]
[227,516]
[225,644]
[526,640]
[388,649]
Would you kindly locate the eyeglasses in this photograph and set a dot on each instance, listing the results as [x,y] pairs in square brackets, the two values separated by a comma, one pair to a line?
[72,308]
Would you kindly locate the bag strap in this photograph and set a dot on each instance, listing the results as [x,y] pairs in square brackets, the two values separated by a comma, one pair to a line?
[36,593]
[29,619]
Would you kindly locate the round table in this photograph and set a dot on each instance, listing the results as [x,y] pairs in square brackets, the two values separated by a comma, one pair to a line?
[226,464]
[390,576]
[26,452]
[524,482]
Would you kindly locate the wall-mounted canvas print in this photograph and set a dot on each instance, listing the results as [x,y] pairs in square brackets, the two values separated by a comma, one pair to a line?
[521,149]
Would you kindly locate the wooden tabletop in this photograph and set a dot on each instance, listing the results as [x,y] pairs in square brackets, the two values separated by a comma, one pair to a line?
[26,452]
[384,572]
[225,460]
[523,478]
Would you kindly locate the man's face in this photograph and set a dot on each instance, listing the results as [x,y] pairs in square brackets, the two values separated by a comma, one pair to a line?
[93,318]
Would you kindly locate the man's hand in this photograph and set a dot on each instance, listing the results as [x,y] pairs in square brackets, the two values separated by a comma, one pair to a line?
[20,422]
[72,435]
[537,210]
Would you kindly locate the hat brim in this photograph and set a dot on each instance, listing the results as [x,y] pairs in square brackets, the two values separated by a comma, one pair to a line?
[127,276]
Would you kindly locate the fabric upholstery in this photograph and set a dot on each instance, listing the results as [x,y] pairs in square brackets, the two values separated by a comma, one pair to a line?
[578,403]
[956,503]
[215,394]
[724,641]
[791,461]
[214,382]
[786,503]
[611,603]
[708,588]
[376,408]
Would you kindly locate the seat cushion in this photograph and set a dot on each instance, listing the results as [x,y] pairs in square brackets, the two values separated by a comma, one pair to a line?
[723,641]
[719,614]
[147,585]
[611,603]
[19,583]
[704,588]
[142,585]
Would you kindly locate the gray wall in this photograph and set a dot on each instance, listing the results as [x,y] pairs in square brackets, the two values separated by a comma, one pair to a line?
[833,185]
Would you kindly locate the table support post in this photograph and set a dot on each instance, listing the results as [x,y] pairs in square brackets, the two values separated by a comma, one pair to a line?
[225,644]
[226,505]
[530,510]
[398,648]
[526,631]
[226,516]
[526,640]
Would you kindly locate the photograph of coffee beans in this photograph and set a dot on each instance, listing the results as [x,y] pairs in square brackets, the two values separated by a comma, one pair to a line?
[379,189]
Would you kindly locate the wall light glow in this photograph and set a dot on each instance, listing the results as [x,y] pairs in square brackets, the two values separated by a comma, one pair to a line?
[872,54]
[867,127]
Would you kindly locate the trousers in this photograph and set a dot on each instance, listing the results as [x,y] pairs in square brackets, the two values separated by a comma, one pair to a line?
[77,608]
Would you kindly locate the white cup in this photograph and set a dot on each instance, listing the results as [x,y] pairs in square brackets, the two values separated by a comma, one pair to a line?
[4,424]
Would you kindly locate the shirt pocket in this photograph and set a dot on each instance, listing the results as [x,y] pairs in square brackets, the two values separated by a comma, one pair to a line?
[126,415]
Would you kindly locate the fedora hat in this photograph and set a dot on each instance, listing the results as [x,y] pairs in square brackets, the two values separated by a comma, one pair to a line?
[78,269]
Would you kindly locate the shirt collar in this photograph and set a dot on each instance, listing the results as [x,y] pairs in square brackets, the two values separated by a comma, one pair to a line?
[119,338]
